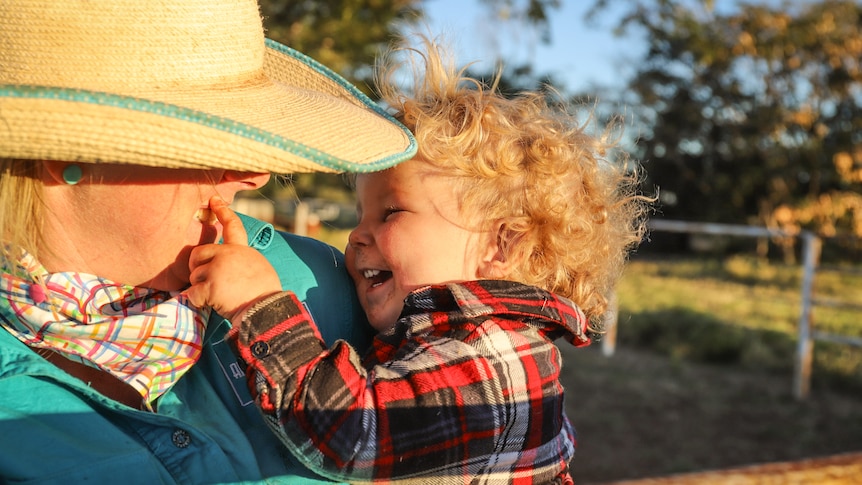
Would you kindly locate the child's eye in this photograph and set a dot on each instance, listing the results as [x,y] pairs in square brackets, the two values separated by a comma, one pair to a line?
[390,211]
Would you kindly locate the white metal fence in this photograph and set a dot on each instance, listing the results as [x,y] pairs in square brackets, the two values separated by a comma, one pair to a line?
[806,335]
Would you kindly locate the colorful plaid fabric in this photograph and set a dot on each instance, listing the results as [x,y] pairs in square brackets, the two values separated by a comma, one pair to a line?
[146,338]
[464,389]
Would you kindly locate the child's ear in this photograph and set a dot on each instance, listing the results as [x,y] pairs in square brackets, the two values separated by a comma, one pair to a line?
[496,262]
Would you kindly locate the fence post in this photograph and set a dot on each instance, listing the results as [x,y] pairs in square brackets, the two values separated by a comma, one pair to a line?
[609,339]
[300,219]
[805,344]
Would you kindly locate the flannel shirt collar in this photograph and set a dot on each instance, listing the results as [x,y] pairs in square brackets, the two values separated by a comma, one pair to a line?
[555,315]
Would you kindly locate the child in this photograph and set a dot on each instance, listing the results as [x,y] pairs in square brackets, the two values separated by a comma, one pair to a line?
[506,232]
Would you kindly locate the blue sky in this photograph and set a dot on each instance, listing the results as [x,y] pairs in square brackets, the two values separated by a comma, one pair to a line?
[581,57]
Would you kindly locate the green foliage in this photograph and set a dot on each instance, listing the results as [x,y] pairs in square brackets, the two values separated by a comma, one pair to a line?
[344,35]
[748,111]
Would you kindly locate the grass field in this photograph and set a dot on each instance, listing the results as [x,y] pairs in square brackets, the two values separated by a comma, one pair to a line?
[739,311]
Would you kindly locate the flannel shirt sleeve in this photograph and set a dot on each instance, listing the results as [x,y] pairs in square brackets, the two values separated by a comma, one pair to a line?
[440,410]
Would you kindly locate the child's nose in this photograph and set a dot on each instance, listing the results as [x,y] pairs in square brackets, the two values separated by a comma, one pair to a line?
[359,236]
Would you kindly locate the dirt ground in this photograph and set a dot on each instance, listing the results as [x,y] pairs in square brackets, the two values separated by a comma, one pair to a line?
[641,415]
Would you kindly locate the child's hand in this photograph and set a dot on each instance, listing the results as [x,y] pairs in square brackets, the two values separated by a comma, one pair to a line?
[229,277]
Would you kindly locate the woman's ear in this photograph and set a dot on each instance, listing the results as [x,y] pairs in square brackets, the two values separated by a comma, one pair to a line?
[498,261]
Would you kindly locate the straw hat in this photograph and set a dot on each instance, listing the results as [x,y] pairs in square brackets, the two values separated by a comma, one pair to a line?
[178,83]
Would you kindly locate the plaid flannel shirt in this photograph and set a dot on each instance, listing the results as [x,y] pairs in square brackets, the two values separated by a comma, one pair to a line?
[463,389]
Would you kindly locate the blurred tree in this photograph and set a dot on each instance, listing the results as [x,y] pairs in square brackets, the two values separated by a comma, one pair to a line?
[344,35]
[531,13]
[347,35]
[753,115]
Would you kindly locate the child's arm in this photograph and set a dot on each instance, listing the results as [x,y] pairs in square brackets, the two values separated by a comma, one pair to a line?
[229,277]
[441,408]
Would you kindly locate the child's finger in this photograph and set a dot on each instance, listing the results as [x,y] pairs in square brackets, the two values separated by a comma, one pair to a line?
[198,270]
[198,292]
[200,255]
[233,232]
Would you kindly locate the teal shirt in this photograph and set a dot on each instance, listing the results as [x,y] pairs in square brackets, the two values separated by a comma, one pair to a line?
[55,429]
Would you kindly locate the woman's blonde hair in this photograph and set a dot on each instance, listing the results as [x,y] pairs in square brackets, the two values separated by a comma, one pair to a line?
[20,210]
[568,214]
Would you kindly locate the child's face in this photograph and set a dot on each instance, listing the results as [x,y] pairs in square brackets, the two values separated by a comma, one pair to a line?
[410,235]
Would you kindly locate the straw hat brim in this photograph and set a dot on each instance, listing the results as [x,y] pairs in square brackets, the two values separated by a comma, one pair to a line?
[298,116]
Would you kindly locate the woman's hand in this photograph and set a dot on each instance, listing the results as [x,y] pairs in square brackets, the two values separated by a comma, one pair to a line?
[229,277]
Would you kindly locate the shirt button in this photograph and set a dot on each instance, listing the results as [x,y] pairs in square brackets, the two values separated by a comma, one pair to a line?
[181,438]
[260,349]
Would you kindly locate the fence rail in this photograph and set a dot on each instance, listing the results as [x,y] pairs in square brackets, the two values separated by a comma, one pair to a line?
[806,335]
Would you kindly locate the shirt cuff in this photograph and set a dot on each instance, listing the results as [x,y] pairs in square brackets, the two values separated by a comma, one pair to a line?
[277,336]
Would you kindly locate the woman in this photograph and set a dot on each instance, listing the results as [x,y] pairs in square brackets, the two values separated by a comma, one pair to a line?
[118,122]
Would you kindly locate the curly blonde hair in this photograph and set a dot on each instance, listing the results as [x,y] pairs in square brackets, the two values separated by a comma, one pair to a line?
[569,215]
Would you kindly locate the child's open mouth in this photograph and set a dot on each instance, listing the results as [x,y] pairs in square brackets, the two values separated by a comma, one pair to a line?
[376,276]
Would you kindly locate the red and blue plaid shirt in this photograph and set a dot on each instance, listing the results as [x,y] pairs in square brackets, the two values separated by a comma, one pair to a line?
[463,389]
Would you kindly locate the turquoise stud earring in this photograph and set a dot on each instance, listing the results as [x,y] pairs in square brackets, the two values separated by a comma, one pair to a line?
[72,174]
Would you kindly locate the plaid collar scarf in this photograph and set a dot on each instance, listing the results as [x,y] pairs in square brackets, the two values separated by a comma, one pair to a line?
[146,338]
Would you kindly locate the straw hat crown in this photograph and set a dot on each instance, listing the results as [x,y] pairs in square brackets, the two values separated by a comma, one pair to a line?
[189,83]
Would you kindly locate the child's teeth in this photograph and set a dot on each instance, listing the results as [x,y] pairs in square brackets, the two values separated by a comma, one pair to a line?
[370,273]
